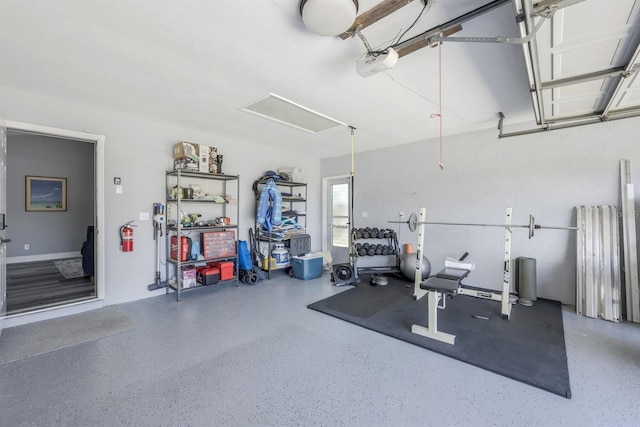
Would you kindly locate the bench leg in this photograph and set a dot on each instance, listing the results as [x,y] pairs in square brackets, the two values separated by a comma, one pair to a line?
[431,331]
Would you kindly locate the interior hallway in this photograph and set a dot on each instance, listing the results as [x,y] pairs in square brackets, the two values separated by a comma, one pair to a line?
[255,355]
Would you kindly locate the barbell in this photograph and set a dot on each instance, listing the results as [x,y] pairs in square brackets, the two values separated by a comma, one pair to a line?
[532,226]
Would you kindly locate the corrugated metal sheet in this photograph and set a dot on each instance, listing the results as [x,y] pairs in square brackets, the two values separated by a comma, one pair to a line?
[598,291]
[630,251]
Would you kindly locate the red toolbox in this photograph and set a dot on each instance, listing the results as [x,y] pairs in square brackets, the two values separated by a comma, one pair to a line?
[208,275]
[185,248]
[226,269]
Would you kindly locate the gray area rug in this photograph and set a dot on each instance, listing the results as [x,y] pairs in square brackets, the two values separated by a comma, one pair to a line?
[34,339]
[70,268]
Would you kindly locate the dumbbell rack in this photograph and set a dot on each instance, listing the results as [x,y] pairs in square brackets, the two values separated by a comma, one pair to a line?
[373,246]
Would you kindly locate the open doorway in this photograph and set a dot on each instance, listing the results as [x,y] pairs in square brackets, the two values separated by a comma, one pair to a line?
[52,259]
[338,214]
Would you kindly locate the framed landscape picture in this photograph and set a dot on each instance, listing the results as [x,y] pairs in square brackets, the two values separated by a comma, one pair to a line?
[45,194]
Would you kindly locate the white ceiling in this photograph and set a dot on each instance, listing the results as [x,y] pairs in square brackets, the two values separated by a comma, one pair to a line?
[196,63]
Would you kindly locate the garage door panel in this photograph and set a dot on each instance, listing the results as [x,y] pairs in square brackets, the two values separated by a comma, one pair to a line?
[585,59]
[573,107]
[592,89]
[592,19]
[589,37]
[629,94]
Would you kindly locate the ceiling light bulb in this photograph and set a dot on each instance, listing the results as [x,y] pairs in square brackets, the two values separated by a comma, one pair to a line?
[328,17]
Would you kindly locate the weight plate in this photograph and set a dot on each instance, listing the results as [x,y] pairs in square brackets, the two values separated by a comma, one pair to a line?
[413,222]
[532,226]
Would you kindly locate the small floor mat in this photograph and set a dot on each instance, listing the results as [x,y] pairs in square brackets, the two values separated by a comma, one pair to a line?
[34,339]
[70,268]
[529,347]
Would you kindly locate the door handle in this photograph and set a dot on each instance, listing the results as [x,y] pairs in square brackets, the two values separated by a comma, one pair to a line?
[3,241]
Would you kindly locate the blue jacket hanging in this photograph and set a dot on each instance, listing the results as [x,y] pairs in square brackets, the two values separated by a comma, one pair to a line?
[269,206]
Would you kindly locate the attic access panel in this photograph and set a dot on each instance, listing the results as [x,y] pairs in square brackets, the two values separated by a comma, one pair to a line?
[583,54]
[281,110]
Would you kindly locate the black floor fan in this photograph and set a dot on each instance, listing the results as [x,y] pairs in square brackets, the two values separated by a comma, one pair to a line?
[343,274]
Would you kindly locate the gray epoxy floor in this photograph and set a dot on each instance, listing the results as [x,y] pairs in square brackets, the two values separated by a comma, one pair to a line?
[255,355]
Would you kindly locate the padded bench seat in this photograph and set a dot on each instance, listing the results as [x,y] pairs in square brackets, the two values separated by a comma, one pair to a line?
[446,281]
[456,274]
[441,285]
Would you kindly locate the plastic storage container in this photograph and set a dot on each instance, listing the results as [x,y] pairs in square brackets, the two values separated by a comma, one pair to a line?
[208,275]
[225,267]
[307,267]
[300,244]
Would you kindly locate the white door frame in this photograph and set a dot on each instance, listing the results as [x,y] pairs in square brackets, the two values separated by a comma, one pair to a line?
[325,208]
[66,309]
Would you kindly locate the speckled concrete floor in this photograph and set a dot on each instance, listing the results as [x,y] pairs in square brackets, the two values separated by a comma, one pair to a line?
[255,355]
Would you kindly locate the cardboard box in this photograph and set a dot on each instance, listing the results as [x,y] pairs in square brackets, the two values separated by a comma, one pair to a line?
[195,157]
[185,248]
[295,174]
[186,165]
[207,159]
[186,150]
[188,276]
[307,267]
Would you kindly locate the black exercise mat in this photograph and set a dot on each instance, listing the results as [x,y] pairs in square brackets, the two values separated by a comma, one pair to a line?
[529,347]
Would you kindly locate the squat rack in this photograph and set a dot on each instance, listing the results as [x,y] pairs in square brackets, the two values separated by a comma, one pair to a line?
[503,296]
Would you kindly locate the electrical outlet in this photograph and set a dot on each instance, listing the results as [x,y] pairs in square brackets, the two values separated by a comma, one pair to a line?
[364,214]
[144,216]
[26,246]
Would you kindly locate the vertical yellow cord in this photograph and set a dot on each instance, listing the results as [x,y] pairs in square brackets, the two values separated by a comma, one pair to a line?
[352,148]
[441,164]
[439,113]
[352,251]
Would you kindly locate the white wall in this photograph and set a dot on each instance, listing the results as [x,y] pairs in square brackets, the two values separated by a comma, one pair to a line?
[139,150]
[545,174]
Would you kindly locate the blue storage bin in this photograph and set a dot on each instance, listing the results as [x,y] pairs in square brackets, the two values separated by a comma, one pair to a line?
[307,267]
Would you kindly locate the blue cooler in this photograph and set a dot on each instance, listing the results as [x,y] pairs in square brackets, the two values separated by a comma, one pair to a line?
[307,267]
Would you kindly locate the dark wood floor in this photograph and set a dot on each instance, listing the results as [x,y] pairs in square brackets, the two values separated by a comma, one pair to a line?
[39,284]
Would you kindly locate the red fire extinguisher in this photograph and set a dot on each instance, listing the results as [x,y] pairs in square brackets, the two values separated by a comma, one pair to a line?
[126,237]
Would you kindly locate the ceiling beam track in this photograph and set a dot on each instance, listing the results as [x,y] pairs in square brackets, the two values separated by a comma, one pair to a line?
[509,40]
[531,51]
[373,15]
[611,72]
[573,121]
[424,39]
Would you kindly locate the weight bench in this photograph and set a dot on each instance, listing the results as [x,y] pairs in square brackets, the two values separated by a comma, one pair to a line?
[446,283]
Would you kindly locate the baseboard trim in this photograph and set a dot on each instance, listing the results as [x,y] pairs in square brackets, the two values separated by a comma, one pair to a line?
[42,257]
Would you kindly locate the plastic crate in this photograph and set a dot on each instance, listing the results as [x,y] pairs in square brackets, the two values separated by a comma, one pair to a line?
[300,244]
